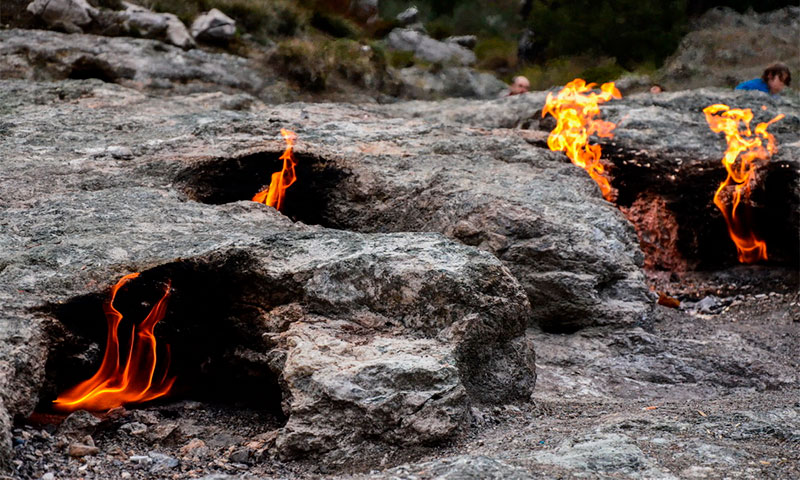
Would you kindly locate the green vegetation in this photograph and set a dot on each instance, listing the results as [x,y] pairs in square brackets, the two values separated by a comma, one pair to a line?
[316,65]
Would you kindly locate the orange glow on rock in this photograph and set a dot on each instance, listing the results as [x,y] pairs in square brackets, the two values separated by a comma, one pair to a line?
[121,381]
[574,108]
[745,153]
[273,196]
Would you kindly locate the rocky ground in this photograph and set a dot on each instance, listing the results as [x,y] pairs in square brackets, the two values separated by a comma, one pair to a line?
[396,352]
[691,395]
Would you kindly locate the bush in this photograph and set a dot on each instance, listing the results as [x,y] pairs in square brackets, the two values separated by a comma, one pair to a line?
[335,26]
[302,62]
[315,65]
[496,54]
[632,31]
[565,69]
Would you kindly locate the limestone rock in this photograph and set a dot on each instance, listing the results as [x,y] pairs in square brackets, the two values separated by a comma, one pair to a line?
[408,16]
[426,84]
[377,340]
[213,26]
[139,63]
[69,14]
[428,49]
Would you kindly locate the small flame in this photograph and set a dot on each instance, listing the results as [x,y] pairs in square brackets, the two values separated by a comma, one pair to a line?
[749,150]
[273,196]
[128,381]
[574,111]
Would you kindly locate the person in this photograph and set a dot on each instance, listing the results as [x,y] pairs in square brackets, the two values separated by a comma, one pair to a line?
[656,88]
[774,79]
[519,85]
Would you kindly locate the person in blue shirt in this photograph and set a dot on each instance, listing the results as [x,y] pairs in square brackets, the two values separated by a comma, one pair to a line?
[775,78]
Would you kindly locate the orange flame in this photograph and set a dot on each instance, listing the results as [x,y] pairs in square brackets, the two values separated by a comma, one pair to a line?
[131,381]
[749,150]
[574,111]
[273,196]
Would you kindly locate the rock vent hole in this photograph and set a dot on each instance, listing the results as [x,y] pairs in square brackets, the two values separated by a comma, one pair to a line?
[226,180]
[671,206]
[211,317]
[86,67]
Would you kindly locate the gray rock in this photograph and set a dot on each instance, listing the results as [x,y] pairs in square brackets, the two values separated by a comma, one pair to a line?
[428,49]
[162,462]
[177,33]
[465,467]
[379,340]
[706,56]
[134,428]
[213,26]
[408,16]
[78,424]
[466,41]
[139,63]
[149,24]
[609,453]
[71,14]
[422,83]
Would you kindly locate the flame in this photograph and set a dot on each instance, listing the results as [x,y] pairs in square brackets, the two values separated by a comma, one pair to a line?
[273,196]
[749,150]
[131,381]
[574,111]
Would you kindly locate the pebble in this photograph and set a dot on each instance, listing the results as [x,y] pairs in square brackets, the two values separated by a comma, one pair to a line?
[126,475]
[80,450]
[118,151]
[162,462]
[241,455]
[134,428]
[48,476]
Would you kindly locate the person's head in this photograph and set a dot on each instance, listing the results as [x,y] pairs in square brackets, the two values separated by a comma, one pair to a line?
[519,85]
[656,88]
[777,77]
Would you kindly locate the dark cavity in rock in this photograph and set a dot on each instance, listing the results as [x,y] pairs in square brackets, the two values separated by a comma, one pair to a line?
[682,193]
[216,325]
[225,180]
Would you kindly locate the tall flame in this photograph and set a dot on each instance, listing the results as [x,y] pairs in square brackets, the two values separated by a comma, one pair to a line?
[273,196]
[574,110]
[127,380]
[749,150]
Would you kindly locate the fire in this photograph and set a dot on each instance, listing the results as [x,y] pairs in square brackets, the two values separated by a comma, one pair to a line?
[273,196]
[574,110]
[745,152]
[127,380]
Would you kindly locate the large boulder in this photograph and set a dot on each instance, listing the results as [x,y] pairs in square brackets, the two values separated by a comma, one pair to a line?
[725,47]
[428,84]
[69,15]
[140,63]
[375,340]
[429,49]
[214,26]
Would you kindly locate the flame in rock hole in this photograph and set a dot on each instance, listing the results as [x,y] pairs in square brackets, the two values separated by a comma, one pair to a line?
[574,108]
[745,153]
[126,374]
[273,196]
